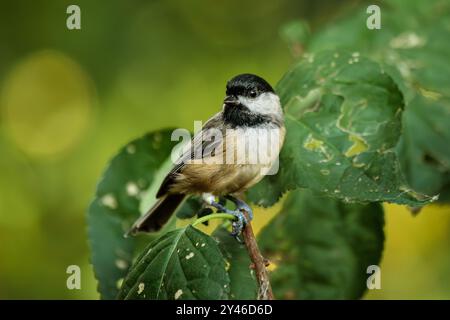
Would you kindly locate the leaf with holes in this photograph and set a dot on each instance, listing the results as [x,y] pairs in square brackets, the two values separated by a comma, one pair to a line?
[182,264]
[121,196]
[414,50]
[343,121]
[322,247]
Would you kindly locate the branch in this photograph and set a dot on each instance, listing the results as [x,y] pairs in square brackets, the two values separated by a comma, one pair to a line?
[262,276]
[259,263]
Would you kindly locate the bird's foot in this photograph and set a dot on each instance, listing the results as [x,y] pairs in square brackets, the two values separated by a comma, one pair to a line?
[241,220]
[238,225]
[244,215]
[242,206]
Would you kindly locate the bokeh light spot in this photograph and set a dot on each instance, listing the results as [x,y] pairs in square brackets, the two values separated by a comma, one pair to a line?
[46,104]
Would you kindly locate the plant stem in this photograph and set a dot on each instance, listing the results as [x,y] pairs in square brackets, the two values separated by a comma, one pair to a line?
[262,276]
[214,216]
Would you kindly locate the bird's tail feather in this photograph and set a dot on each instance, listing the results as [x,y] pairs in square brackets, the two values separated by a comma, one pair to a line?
[158,215]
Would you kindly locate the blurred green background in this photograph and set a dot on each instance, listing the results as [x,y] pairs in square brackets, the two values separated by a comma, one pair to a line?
[70,99]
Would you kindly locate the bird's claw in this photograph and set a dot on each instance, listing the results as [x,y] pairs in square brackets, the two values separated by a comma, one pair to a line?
[242,206]
[241,213]
[238,224]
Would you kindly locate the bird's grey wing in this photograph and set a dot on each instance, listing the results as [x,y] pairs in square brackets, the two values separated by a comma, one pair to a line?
[202,143]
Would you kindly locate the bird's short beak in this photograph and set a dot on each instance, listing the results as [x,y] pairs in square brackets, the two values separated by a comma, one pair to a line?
[231,100]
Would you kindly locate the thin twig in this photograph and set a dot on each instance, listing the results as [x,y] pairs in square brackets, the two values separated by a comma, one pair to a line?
[214,216]
[259,263]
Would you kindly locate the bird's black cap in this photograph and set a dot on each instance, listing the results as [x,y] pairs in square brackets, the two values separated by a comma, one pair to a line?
[243,84]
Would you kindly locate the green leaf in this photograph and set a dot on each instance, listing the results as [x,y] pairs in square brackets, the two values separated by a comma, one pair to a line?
[296,34]
[426,156]
[117,203]
[414,48]
[296,31]
[322,247]
[243,285]
[182,264]
[267,192]
[343,121]
[425,70]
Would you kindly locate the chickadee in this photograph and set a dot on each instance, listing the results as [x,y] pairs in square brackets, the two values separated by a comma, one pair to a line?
[251,106]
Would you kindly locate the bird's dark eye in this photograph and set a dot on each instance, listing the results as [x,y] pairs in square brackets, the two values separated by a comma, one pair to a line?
[253,93]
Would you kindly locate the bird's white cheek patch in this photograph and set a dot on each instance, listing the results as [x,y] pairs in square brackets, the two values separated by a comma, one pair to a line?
[266,103]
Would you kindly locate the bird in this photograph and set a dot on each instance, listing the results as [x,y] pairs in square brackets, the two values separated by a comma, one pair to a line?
[251,108]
